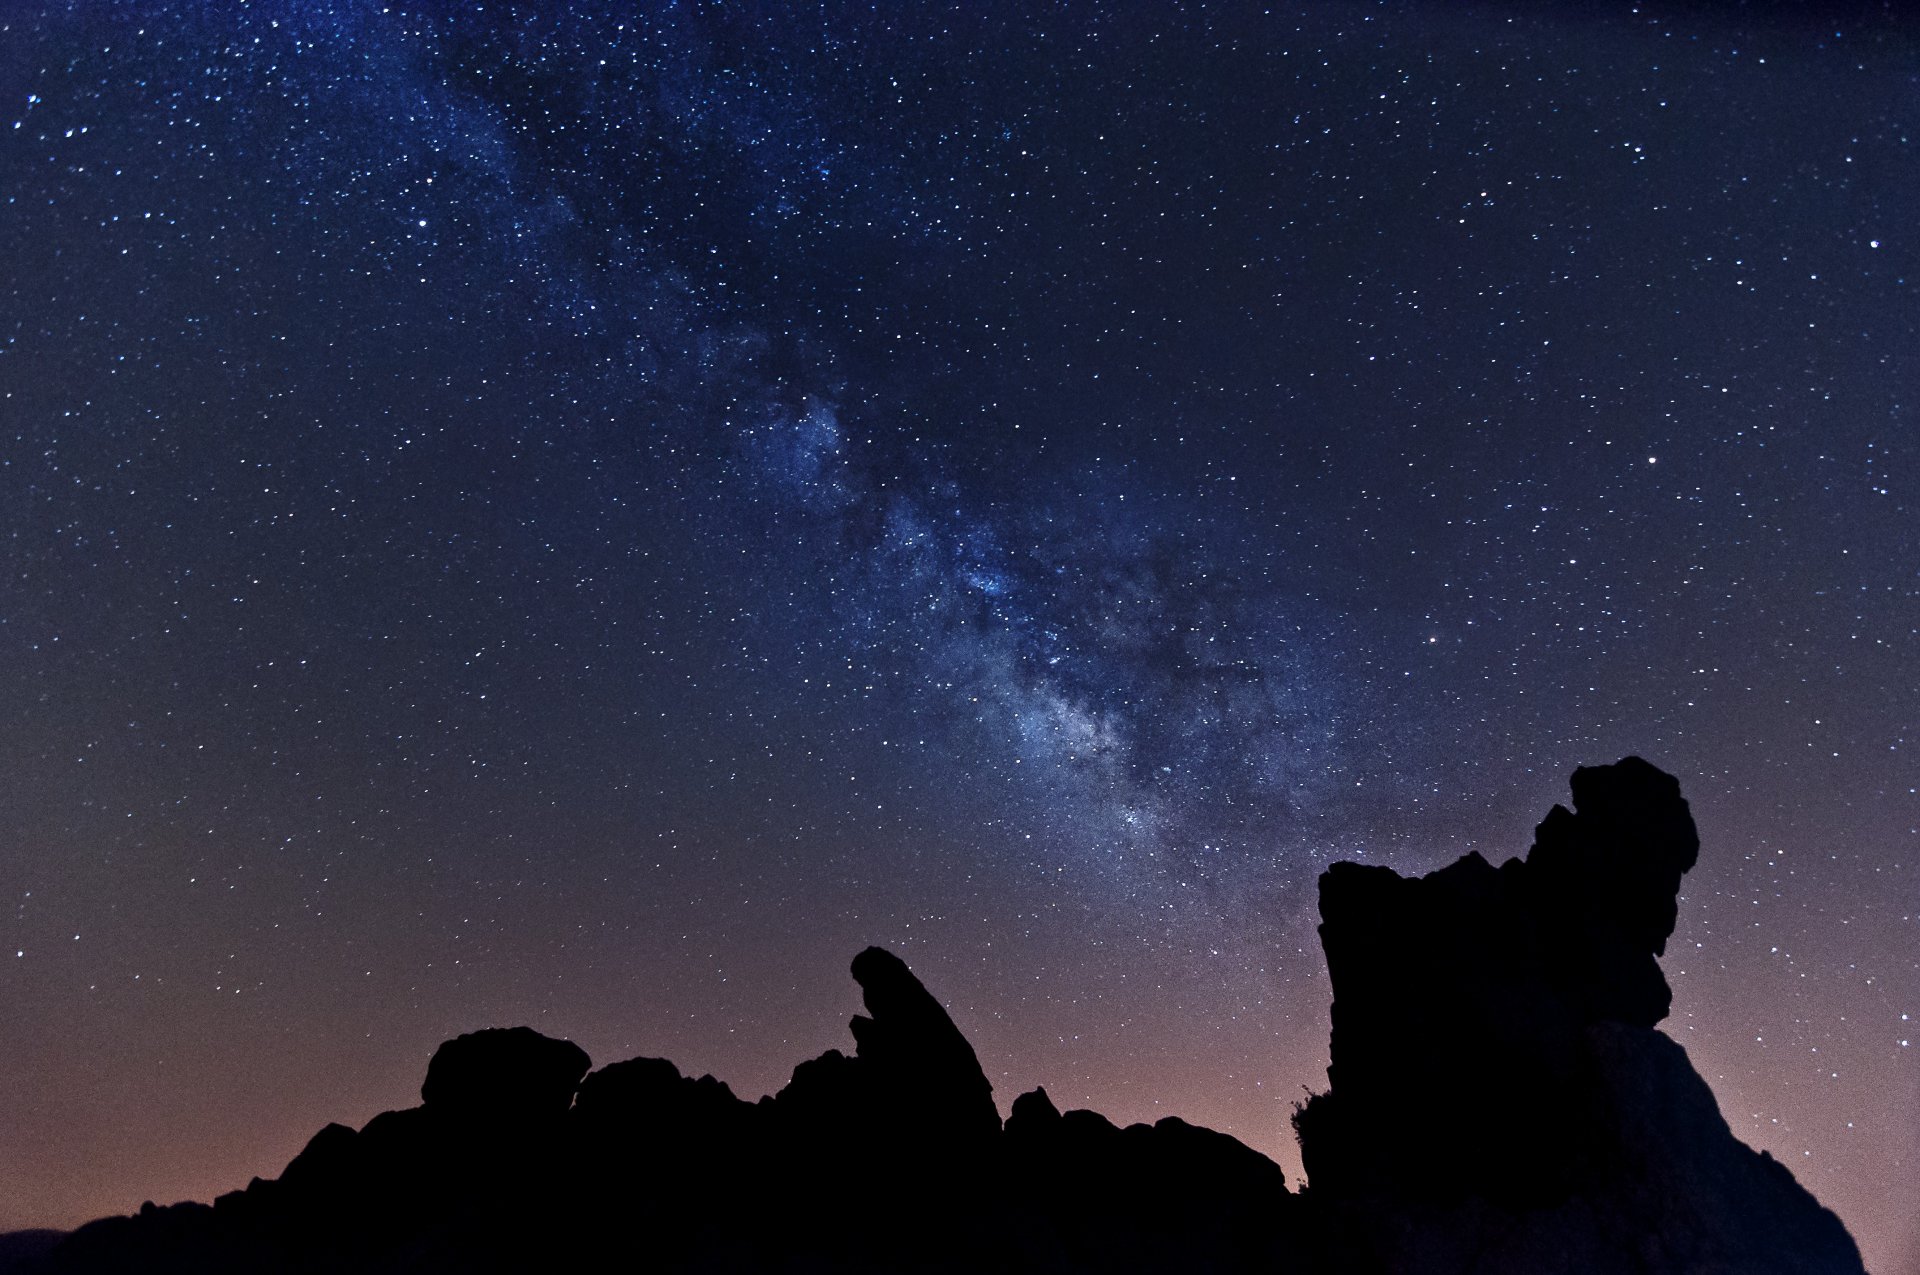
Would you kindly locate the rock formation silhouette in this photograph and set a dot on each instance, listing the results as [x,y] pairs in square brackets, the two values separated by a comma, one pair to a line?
[1462,998]
[1499,1101]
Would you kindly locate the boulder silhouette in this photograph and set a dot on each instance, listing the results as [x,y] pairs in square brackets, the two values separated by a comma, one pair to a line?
[1032,1119]
[644,1133]
[647,1106]
[504,1073]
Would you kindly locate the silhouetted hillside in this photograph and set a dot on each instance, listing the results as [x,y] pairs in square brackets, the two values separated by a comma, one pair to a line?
[1499,1102]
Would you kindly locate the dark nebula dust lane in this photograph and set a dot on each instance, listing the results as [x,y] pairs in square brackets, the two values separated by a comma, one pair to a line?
[584,515]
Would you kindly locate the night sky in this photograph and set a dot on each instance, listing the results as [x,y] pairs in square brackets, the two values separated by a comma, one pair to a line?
[572,516]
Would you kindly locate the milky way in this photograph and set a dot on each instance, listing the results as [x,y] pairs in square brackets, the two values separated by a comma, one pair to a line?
[557,514]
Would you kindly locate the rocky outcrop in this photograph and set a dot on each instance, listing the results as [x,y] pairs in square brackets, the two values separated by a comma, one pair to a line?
[922,1071]
[644,1105]
[1169,1196]
[1499,1101]
[504,1073]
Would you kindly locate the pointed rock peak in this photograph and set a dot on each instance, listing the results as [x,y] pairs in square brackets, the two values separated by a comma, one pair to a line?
[830,1068]
[914,1050]
[504,1071]
[905,1016]
[1033,1115]
[326,1156]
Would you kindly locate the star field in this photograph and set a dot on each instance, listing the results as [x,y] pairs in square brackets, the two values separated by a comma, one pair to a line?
[568,515]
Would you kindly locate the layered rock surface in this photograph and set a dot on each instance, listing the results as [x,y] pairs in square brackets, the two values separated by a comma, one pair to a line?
[1499,1102]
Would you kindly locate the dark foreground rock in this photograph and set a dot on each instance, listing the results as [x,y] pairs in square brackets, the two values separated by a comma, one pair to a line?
[24,1252]
[1499,1102]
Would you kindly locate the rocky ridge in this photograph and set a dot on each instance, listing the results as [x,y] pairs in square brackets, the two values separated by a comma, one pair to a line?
[1499,1101]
